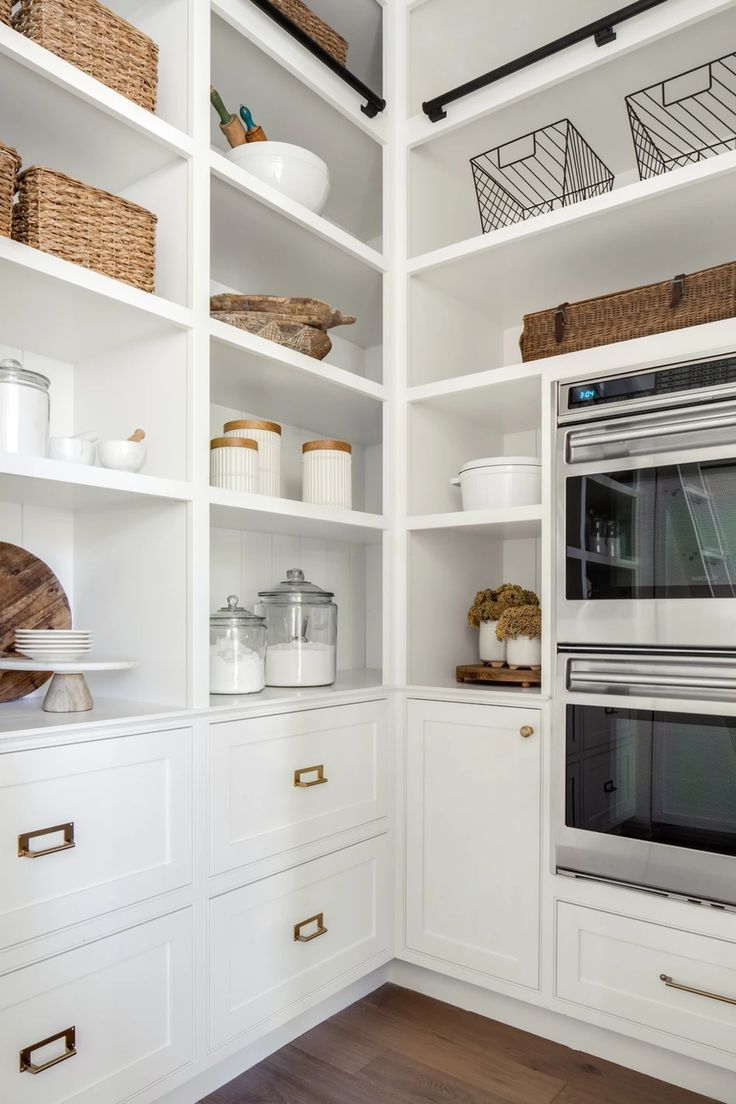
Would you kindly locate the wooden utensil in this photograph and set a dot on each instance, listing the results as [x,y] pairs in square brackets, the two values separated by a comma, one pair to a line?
[230,125]
[31,597]
[137,435]
[254,133]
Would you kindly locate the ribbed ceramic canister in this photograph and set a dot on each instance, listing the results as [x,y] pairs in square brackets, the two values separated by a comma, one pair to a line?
[234,463]
[327,474]
[268,436]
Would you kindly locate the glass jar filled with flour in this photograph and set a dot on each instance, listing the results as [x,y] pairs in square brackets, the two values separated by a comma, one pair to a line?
[237,650]
[301,620]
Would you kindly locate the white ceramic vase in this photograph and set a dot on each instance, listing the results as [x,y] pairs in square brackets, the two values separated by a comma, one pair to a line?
[490,648]
[524,652]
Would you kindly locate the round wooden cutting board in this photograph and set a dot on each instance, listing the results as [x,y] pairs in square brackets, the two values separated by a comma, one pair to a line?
[31,597]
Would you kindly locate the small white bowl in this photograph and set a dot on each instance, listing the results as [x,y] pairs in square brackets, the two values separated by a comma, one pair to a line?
[72,450]
[127,456]
[294,171]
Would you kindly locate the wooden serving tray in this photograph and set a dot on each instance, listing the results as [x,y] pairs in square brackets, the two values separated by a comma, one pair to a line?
[516,676]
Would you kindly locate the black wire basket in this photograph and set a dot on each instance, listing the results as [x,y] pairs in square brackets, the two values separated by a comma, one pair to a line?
[685,119]
[549,168]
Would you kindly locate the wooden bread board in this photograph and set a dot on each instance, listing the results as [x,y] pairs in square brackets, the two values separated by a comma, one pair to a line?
[514,676]
[31,597]
[308,312]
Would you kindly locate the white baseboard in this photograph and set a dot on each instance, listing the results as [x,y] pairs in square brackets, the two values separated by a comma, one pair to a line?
[666,1065]
[210,1079]
[677,1069]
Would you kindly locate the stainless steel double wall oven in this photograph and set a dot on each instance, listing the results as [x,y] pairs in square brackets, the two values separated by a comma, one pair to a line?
[646,628]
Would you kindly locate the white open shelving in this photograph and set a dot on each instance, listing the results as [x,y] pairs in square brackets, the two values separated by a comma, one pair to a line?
[144,558]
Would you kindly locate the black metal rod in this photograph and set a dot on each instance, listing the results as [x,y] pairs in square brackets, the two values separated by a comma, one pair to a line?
[374,103]
[601,30]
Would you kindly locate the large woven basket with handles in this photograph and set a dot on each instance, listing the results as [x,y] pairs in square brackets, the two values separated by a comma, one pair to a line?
[9,165]
[85,225]
[673,304]
[321,32]
[93,38]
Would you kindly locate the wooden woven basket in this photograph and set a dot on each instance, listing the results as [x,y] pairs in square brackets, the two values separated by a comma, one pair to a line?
[321,32]
[96,40]
[9,165]
[5,10]
[86,225]
[706,296]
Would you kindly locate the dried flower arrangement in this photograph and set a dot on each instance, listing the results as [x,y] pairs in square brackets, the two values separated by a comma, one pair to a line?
[490,604]
[518,621]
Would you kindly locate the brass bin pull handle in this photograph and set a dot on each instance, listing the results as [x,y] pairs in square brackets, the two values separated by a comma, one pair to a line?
[697,992]
[526,731]
[321,929]
[319,770]
[24,841]
[69,1035]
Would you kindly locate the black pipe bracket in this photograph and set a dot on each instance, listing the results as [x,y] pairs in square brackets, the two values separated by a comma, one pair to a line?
[602,31]
[374,103]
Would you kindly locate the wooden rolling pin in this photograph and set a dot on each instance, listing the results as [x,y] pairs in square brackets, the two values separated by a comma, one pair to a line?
[230,125]
[253,133]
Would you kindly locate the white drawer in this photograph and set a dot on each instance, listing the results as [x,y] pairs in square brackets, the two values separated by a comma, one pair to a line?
[129,999]
[257,965]
[263,798]
[615,964]
[126,801]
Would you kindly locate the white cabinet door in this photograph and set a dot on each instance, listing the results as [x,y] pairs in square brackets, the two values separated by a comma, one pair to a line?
[122,810]
[117,1011]
[277,783]
[473,837]
[678,982]
[281,941]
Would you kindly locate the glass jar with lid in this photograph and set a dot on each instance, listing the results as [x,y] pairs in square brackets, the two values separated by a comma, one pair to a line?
[24,409]
[301,620]
[237,650]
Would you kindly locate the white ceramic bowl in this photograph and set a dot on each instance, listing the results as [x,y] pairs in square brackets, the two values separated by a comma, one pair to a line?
[73,450]
[293,170]
[127,456]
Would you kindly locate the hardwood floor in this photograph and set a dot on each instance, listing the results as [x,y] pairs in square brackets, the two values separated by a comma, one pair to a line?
[397,1047]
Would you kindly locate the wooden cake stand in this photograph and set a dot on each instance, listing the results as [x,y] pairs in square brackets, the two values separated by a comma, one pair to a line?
[68,691]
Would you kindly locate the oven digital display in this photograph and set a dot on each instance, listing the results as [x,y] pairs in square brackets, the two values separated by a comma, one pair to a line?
[588,394]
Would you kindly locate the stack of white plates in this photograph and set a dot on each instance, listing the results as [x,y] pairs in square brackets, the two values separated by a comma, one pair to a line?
[53,645]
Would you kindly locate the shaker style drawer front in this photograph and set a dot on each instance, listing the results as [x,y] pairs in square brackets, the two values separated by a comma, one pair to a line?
[277,941]
[671,980]
[277,783]
[90,827]
[102,1021]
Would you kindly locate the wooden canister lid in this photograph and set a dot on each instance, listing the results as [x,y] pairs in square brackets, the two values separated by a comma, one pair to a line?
[252,423]
[333,446]
[233,442]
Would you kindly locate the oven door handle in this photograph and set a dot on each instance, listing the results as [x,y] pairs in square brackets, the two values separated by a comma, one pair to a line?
[581,439]
[613,678]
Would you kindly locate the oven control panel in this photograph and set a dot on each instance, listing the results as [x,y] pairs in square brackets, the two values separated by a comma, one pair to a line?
[678,377]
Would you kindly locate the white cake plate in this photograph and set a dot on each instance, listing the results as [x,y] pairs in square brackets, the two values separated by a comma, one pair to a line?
[68,691]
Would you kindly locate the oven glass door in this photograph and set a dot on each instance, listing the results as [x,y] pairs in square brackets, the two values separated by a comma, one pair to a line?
[661,777]
[651,532]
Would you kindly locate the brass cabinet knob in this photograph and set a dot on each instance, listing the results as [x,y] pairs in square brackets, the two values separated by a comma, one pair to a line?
[526,730]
